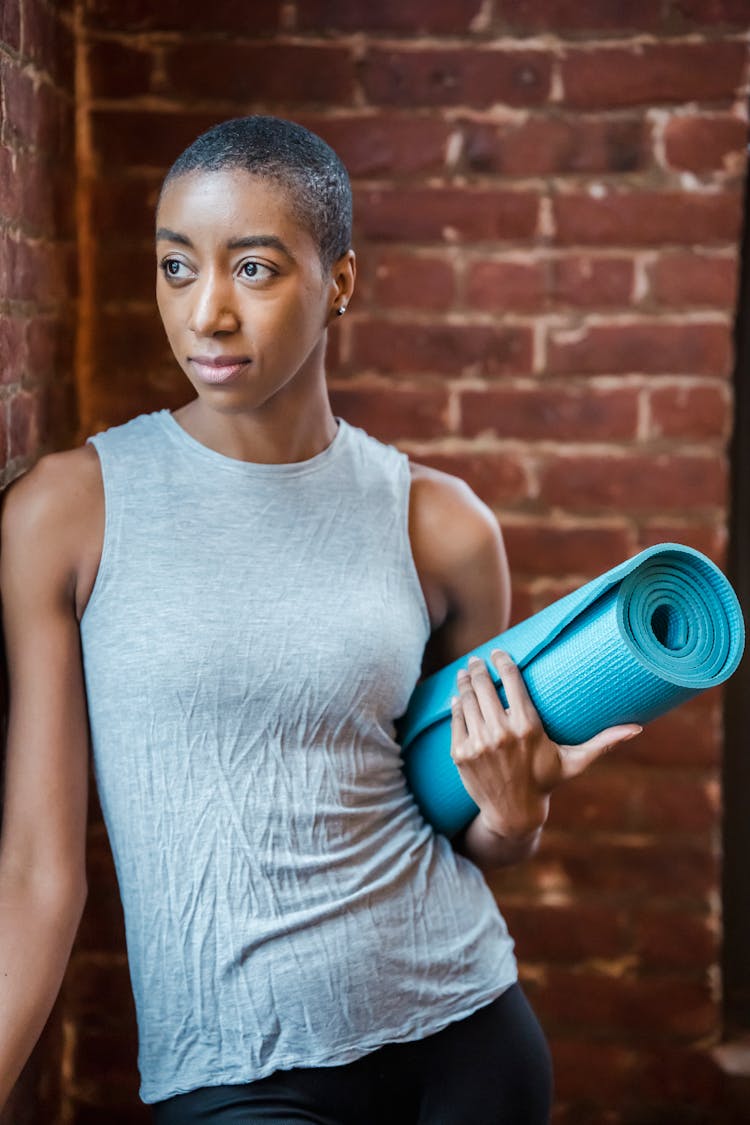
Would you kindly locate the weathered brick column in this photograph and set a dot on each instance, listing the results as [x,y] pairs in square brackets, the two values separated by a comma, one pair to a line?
[37,318]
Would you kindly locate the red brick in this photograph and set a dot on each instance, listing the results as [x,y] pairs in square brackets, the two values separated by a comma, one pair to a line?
[550,414]
[585,281]
[445,214]
[690,412]
[688,278]
[679,1076]
[543,146]
[124,277]
[20,104]
[647,347]
[668,939]
[39,117]
[50,345]
[637,483]
[102,928]
[12,349]
[393,414]
[23,431]
[473,77]
[688,736]
[551,590]
[37,184]
[712,13]
[671,804]
[542,548]
[229,16]
[128,341]
[48,42]
[604,798]
[118,70]
[450,349]
[662,73]
[4,437]
[420,17]
[598,1074]
[496,286]
[142,138]
[646,218]
[124,207]
[710,538]
[407,281]
[132,1112]
[386,143]
[572,16]
[261,72]
[20,264]
[89,979]
[99,1060]
[10,24]
[613,797]
[644,1009]
[706,143]
[522,601]
[9,188]
[58,414]
[568,932]
[497,478]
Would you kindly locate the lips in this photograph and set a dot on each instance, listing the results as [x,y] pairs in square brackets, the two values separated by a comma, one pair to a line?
[218,369]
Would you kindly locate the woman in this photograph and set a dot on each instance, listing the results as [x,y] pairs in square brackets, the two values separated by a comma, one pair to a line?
[238,598]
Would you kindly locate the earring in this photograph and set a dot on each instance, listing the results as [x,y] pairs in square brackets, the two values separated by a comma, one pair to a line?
[341,310]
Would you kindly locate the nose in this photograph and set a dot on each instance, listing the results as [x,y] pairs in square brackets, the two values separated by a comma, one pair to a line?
[214,307]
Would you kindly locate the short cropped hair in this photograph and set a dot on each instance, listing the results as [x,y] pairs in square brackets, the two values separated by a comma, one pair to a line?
[301,162]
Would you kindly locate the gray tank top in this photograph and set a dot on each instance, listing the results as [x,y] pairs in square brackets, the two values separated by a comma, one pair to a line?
[253,632]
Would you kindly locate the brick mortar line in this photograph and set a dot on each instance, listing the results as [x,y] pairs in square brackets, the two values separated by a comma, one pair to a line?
[408,43]
[505,115]
[494,114]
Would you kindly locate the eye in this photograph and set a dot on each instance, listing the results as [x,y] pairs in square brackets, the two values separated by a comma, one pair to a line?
[256,271]
[174,270]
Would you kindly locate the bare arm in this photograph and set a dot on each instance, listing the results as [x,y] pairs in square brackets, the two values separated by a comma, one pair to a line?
[460,555]
[507,763]
[42,845]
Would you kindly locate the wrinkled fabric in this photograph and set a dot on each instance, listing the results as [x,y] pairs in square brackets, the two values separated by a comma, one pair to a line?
[253,633]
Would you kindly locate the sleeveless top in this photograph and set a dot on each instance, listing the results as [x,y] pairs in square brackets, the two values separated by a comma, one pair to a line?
[253,633]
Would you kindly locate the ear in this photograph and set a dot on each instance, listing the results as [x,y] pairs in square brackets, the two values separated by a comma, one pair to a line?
[343,276]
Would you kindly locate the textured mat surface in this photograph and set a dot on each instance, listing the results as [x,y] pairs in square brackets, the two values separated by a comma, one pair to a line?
[626,647]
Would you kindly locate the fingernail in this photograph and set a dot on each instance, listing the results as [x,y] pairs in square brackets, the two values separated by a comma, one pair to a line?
[633,734]
[474,661]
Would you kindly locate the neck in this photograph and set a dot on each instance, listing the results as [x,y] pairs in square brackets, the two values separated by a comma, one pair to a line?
[292,426]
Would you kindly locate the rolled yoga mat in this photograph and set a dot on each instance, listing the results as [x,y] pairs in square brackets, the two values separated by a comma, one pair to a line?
[626,647]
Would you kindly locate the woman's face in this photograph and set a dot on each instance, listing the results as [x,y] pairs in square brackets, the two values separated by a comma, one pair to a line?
[240,288]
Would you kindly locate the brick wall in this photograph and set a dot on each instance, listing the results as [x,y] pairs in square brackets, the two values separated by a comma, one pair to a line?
[548,207]
[37,315]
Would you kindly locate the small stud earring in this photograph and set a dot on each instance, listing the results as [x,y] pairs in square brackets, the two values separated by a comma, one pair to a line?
[341,310]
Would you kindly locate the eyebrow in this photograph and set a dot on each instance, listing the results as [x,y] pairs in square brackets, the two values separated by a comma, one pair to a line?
[248,242]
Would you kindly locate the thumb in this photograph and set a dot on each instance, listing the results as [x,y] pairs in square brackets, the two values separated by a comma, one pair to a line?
[576,759]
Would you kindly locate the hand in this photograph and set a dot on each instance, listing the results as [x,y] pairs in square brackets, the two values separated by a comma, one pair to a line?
[507,763]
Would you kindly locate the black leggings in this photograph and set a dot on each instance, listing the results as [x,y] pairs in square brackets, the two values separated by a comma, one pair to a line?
[492,1068]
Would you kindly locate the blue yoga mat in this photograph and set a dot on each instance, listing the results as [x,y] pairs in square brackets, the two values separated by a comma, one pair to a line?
[626,647]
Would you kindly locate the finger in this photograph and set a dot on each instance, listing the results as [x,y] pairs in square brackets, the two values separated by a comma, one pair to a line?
[489,701]
[576,759]
[470,707]
[458,724]
[515,689]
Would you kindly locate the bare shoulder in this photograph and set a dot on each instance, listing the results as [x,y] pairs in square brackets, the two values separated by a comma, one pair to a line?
[52,518]
[460,556]
[449,520]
